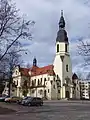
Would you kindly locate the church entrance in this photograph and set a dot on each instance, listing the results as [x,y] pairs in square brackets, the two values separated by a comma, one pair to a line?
[67,94]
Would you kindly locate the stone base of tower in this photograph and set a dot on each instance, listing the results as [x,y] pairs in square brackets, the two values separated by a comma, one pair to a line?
[66,92]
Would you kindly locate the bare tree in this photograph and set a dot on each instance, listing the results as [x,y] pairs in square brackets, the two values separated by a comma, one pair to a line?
[84,50]
[12,26]
[11,59]
[13,29]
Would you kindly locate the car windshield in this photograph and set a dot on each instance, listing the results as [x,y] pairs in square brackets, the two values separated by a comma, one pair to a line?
[26,98]
[29,99]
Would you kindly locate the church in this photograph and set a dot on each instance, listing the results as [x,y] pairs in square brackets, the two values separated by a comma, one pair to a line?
[52,82]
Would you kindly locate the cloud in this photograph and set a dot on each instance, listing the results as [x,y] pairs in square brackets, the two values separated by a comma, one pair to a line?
[46,14]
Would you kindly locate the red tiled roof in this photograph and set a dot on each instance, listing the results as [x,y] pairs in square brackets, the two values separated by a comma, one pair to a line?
[37,71]
[43,70]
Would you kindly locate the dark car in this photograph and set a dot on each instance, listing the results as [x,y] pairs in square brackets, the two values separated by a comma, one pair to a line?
[2,99]
[33,101]
[23,99]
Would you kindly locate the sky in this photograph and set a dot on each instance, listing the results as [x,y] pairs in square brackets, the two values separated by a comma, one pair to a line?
[46,14]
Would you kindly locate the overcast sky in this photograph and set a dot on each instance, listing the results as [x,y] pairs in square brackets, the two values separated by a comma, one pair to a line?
[46,14]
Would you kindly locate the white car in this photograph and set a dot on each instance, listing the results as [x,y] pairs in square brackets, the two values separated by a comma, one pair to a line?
[7,99]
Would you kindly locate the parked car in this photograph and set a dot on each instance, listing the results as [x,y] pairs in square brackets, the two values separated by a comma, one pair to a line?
[20,101]
[2,98]
[33,101]
[12,99]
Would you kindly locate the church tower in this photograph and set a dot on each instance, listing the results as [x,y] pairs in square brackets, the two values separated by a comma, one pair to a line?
[62,61]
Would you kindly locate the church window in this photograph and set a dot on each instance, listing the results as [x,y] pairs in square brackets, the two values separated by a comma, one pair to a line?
[57,47]
[16,72]
[41,91]
[25,83]
[17,82]
[51,82]
[57,84]
[41,81]
[34,81]
[65,47]
[67,68]
[33,91]
[38,81]
[14,82]
[44,79]
[77,88]
[13,90]
[48,90]
[54,79]
[48,78]
[58,91]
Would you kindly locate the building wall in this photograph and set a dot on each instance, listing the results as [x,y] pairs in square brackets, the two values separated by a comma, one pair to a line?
[85,89]
[48,81]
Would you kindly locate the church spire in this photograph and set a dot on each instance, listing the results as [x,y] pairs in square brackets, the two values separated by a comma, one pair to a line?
[62,21]
[62,34]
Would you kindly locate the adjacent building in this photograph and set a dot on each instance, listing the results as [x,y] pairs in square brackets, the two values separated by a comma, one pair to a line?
[85,89]
[76,86]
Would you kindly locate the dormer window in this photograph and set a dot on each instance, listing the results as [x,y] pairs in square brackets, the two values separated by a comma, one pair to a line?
[16,72]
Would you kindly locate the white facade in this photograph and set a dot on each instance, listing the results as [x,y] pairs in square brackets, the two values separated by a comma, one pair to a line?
[43,86]
[63,68]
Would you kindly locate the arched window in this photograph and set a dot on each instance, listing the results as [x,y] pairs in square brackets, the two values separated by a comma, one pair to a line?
[57,47]
[67,68]
[41,92]
[44,79]
[38,81]
[65,47]
[32,83]
[57,77]
[54,79]
[17,82]
[25,83]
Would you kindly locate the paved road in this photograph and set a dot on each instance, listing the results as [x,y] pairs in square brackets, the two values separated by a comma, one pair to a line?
[52,110]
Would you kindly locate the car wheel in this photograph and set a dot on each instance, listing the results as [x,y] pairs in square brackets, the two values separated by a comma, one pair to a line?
[29,104]
[41,104]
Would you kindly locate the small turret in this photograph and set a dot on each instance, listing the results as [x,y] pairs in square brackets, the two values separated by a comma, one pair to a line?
[34,62]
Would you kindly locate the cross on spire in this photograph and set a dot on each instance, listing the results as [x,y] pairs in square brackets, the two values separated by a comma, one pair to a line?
[61,12]
[62,21]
